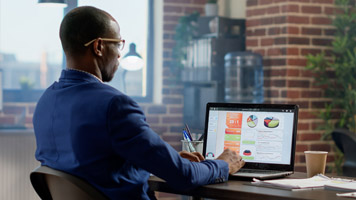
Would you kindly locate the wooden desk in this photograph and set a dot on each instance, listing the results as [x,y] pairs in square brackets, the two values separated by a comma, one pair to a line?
[239,189]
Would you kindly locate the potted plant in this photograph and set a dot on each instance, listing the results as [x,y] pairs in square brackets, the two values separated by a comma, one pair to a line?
[337,74]
[211,8]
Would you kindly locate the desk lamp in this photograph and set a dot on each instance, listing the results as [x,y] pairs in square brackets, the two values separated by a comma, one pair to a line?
[132,61]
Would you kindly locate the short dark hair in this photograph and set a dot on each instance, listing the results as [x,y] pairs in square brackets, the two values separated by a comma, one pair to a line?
[81,25]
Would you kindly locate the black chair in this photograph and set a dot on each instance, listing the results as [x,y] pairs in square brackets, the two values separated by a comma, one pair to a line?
[346,142]
[54,184]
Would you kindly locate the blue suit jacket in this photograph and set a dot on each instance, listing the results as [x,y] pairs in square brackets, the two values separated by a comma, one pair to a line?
[93,131]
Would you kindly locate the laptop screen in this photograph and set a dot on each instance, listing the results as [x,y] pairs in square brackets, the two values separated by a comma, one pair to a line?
[263,134]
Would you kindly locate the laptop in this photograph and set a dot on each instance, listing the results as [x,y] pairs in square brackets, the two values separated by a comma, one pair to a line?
[263,134]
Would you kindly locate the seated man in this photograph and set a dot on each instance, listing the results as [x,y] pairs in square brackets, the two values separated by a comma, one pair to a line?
[89,129]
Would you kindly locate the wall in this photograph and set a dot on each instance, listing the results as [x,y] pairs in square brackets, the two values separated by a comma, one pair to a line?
[284,32]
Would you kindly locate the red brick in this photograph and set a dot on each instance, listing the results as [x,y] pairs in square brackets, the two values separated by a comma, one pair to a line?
[306,115]
[305,52]
[280,20]
[311,94]
[157,109]
[311,31]
[172,9]
[290,30]
[274,62]
[250,3]
[267,20]
[298,41]
[290,8]
[297,62]
[275,52]
[293,72]
[309,137]
[262,52]
[170,119]
[298,20]
[252,22]
[251,42]
[302,104]
[303,126]
[322,42]
[275,72]
[298,83]
[321,20]
[280,40]
[271,93]
[256,32]
[188,10]
[293,94]
[318,104]
[265,2]
[311,9]
[159,129]
[292,51]
[176,110]
[278,83]
[329,32]
[329,10]
[274,31]
[172,100]
[152,119]
[301,147]
[320,147]
[273,10]
[267,42]
[323,1]
[171,18]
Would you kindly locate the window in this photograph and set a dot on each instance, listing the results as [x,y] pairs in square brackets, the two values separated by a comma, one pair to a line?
[31,56]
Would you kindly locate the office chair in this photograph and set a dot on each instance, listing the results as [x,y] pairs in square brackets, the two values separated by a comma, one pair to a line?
[346,142]
[54,184]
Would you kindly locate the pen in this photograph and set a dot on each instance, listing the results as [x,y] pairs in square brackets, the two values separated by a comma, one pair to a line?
[189,133]
[190,145]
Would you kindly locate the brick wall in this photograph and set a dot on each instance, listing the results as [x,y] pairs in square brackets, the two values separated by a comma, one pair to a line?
[167,119]
[284,32]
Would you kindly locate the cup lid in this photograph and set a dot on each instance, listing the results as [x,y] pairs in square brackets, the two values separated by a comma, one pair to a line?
[316,152]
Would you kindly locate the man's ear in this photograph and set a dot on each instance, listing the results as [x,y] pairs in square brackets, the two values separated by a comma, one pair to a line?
[98,47]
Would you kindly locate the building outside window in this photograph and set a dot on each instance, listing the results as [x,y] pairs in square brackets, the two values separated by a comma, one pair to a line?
[31,56]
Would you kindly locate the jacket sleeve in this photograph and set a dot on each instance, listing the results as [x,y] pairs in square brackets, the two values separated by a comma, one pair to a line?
[133,140]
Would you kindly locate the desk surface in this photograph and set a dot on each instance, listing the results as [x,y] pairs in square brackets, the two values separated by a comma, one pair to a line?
[239,189]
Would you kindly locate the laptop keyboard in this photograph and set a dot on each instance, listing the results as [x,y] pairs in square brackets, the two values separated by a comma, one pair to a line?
[259,171]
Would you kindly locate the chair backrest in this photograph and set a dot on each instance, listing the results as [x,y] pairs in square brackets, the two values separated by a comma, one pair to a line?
[346,142]
[54,184]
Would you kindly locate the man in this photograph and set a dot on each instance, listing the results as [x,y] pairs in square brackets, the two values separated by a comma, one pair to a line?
[89,129]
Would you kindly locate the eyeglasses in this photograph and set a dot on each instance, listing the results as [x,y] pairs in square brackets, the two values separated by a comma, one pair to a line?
[120,41]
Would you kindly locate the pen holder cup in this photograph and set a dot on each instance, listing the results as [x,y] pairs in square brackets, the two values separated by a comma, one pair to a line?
[198,145]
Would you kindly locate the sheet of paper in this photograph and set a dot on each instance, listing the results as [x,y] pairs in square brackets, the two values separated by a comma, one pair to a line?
[313,182]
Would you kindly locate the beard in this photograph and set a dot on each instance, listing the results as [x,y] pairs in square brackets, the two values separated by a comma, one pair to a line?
[108,75]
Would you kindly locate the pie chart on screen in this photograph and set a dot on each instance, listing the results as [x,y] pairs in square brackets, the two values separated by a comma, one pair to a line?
[271,122]
[252,121]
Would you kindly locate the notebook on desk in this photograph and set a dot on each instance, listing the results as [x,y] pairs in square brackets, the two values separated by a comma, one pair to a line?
[263,134]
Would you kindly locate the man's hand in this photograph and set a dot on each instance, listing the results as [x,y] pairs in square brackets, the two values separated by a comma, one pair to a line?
[235,161]
[194,156]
